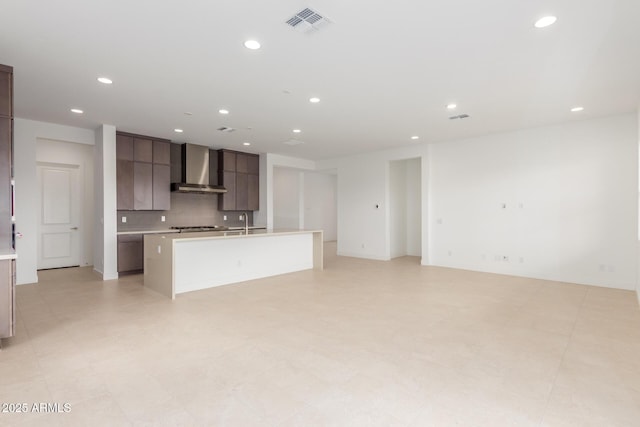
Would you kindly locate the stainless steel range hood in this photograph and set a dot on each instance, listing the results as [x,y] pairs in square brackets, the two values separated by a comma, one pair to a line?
[195,172]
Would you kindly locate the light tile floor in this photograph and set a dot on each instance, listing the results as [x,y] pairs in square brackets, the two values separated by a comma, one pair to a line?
[363,343]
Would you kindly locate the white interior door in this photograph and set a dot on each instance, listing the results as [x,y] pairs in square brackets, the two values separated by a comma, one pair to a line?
[59,214]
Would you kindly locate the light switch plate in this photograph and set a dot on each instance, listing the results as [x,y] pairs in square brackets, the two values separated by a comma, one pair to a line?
[162,218]
[124,219]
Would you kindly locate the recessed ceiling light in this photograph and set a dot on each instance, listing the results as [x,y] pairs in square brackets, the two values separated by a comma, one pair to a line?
[451,106]
[178,130]
[246,143]
[77,111]
[252,44]
[545,22]
[105,80]
[297,131]
[415,137]
[577,109]
[314,100]
[223,111]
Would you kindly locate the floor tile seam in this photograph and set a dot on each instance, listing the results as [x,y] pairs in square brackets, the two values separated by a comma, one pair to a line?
[562,361]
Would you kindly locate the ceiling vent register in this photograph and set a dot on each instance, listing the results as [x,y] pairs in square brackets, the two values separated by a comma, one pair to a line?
[307,21]
[459,116]
[226,129]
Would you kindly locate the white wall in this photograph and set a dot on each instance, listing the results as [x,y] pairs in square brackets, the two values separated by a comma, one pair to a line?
[305,199]
[268,161]
[398,208]
[558,202]
[414,206]
[80,155]
[287,185]
[26,135]
[320,209]
[405,228]
[105,245]
[363,183]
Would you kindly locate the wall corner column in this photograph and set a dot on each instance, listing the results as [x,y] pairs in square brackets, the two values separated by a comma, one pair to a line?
[105,251]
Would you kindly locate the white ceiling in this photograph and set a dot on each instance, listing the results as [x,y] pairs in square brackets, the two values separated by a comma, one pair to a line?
[384,70]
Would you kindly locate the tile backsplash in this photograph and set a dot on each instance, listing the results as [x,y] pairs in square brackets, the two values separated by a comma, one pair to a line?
[186,209]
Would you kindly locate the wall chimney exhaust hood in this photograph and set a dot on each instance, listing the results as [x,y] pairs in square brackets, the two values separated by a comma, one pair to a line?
[195,172]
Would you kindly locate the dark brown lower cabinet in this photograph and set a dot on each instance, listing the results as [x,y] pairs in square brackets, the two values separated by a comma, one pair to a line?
[130,253]
[142,186]
[7,298]
[161,186]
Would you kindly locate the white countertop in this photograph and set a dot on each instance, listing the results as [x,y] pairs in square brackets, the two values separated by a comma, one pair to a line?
[122,233]
[8,254]
[237,233]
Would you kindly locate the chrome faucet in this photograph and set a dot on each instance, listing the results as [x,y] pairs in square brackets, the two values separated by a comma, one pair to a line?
[246,223]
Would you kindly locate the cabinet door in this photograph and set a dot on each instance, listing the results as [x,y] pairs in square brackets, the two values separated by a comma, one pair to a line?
[253,192]
[213,167]
[161,153]
[142,186]
[242,194]
[7,301]
[142,150]
[241,162]
[227,161]
[5,183]
[227,201]
[6,94]
[253,164]
[124,147]
[124,185]
[161,188]
[130,253]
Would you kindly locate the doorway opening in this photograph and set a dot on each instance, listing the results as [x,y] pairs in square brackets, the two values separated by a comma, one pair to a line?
[405,204]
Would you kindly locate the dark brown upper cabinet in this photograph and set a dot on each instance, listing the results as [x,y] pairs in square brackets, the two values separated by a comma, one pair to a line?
[143,173]
[6,91]
[239,174]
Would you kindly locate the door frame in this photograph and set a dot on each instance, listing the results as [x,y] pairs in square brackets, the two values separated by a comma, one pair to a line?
[79,187]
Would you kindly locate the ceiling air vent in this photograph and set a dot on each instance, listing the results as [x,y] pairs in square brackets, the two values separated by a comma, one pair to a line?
[307,21]
[226,129]
[293,142]
[459,116]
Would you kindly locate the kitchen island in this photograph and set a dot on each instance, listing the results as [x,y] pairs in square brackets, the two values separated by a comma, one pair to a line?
[175,263]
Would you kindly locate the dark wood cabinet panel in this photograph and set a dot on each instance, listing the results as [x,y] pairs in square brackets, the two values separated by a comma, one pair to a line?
[5,183]
[161,187]
[142,186]
[213,167]
[161,153]
[244,168]
[253,164]
[242,194]
[143,150]
[253,192]
[227,201]
[130,253]
[241,162]
[124,147]
[6,92]
[227,160]
[124,185]
[176,163]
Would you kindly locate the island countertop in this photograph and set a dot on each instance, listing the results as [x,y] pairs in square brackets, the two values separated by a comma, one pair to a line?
[182,262]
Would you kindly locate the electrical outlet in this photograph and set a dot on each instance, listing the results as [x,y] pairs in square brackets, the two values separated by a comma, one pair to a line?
[163,218]
[124,219]
[224,217]
[241,217]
